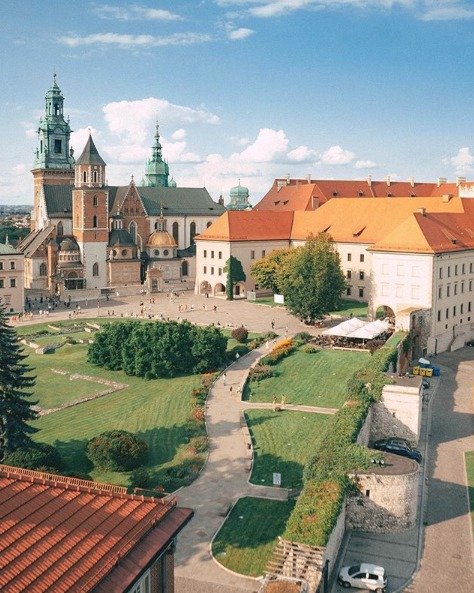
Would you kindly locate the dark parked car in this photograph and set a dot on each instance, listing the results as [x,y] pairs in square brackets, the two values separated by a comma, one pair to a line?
[399,447]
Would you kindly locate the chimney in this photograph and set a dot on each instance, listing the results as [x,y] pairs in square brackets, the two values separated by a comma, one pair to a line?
[369,180]
[445,198]
[288,179]
[442,180]
[308,177]
[411,180]
[387,180]
[280,183]
[422,211]
[460,180]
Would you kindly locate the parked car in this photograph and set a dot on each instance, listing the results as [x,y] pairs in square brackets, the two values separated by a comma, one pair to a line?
[363,576]
[425,383]
[399,447]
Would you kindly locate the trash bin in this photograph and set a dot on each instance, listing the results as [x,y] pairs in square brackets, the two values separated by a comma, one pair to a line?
[428,372]
[416,370]
[423,372]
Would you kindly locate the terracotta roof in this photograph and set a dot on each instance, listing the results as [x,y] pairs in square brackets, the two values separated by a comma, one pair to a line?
[249,225]
[68,535]
[298,194]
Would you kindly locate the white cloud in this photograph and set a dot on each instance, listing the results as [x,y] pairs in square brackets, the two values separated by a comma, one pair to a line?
[176,152]
[268,145]
[447,10]
[179,134]
[131,13]
[79,138]
[463,161]
[125,41]
[241,33]
[365,164]
[335,155]
[302,154]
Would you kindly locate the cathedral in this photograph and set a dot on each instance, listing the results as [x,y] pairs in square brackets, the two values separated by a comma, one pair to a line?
[86,234]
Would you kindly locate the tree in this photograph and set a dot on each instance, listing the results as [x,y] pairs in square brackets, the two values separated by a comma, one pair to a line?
[117,450]
[235,273]
[267,271]
[15,406]
[313,281]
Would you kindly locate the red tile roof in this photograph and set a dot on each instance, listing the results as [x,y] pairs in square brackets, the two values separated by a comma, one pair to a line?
[67,535]
[249,225]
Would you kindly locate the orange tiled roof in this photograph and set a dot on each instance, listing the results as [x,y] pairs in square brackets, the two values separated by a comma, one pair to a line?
[249,225]
[67,535]
[298,194]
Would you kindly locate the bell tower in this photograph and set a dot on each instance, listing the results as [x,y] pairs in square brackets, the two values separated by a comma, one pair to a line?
[90,209]
[156,169]
[54,161]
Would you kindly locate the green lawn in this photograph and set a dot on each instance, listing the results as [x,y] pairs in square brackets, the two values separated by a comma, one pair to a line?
[348,307]
[283,441]
[469,459]
[246,541]
[317,379]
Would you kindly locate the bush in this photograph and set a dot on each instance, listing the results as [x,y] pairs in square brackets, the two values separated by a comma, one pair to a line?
[281,349]
[261,371]
[310,349]
[302,337]
[117,450]
[39,456]
[240,334]
[198,445]
[140,478]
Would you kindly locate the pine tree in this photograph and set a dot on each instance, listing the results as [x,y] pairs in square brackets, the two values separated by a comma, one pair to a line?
[15,406]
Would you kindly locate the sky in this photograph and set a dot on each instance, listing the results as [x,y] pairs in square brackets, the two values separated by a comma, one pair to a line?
[244,89]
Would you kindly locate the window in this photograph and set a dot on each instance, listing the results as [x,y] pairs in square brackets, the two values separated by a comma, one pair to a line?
[94,221]
[57,146]
[205,269]
[124,253]
[399,290]
[1,265]
[95,200]
[448,290]
[362,257]
[175,232]
[440,292]
[439,315]
[220,271]
[12,282]
[43,270]
[441,273]
[192,233]
[349,274]
[12,265]
[447,313]
[263,252]
[348,291]
[156,252]
[415,292]
[455,270]
[94,176]
[208,224]
[361,292]
[132,229]
[361,275]
[462,286]
[349,257]
[205,252]
[462,308]
[415,271]
[95,269]
[84,176]
[212,254]
[400,270]
[166,252]
[212,271]
[252,254]
[470,285]
[184,268]
[384,289]
[220,254]
[470,268]
[449,271]
[385,269]
[60,229]
[455,289]
[454,311]
[2,283]
[463,269]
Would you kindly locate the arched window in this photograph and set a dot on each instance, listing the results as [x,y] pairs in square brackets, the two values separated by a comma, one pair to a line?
[132,229]
[156,225]
[95,269]
[184,268]
[175,232]
[84,176]
[192,233]
[94,177]
[94,221]
[59,229]
[95,200]
[43,270]
[208,224]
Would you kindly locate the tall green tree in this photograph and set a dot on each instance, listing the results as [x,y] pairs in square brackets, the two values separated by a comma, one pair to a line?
[313,281]
[267,271]
[235,273]
[15,381]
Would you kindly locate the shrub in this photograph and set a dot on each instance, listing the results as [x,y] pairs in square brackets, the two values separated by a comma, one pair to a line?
[261,371]
[281,349]
[240,334]
[117,450]
[310,349]
[38,456]
[302,337]
[140,478]
[198,444]
[240,349]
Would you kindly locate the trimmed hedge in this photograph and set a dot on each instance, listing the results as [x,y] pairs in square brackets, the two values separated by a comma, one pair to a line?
[117,450]
[325,474]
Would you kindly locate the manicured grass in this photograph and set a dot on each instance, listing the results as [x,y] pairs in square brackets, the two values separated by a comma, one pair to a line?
[348,307]
[246,540]
[283,441]
[268,300]
[469,459]
[317,379]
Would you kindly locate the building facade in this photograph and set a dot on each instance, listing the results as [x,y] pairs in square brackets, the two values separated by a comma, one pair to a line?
[12,294]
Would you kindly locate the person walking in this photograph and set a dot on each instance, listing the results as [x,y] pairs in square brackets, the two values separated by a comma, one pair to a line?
[224,376]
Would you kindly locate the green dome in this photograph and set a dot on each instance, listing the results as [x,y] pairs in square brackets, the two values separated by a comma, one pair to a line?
[239,191]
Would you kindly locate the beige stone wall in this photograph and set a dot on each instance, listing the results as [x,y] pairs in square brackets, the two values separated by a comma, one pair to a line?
[12,272]
[335,539]
[122,272]
[385,502]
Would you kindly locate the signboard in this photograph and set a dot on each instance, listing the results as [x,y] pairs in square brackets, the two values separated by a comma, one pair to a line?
[251,295]
[279,299]
[276,479]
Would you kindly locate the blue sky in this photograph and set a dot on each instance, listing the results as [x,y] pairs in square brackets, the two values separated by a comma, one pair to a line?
[249,89]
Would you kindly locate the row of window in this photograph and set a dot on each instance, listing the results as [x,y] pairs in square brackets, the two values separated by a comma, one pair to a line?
[95,179]
[4,267]
[219,254]
[349,292]
[455,311]
[349,274]
[12,283]
[219,270]
[455,289]
[252,253]
[457,268]
[361,257]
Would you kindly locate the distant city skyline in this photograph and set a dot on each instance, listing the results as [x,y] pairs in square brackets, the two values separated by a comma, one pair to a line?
[244,89]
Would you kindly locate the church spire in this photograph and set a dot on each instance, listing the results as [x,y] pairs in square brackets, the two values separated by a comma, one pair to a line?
[156,169]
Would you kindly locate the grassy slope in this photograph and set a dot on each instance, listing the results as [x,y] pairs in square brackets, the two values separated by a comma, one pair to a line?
[283,442]
[317,379]
[246,541]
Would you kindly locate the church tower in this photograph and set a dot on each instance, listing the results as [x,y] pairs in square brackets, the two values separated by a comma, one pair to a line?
[54,161]
[90,211]
[156,169]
